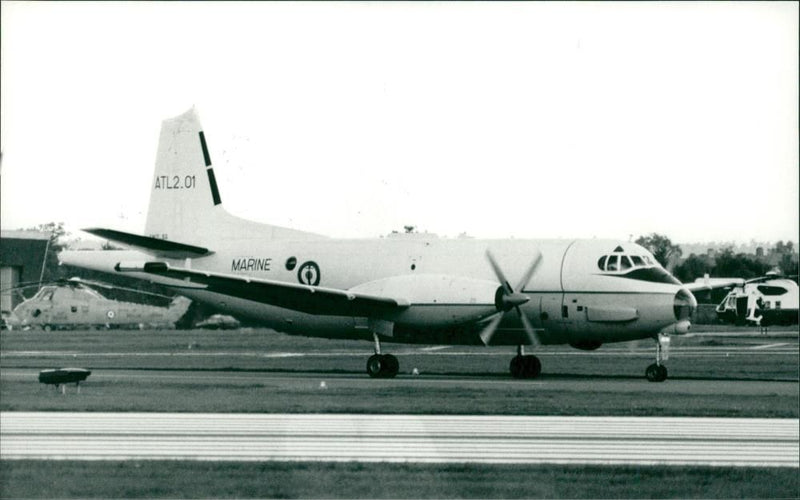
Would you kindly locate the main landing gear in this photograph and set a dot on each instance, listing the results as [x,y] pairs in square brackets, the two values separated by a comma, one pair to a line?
[525,366]
[657,372]
[382,365]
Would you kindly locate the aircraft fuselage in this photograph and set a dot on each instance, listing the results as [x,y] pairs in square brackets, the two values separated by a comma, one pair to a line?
[571,299]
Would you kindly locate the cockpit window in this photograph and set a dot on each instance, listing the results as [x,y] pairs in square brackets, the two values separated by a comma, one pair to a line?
[622,262]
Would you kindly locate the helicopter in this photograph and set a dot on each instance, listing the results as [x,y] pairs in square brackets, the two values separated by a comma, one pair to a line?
[764,301]
[77,303]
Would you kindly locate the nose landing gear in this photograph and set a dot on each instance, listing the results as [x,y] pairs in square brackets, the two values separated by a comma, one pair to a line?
[382,365]
[657,372]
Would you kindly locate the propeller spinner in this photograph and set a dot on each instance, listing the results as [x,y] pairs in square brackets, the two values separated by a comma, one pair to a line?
[506,299]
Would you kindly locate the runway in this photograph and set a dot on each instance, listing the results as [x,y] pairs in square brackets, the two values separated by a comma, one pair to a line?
[400,438]
[311,381]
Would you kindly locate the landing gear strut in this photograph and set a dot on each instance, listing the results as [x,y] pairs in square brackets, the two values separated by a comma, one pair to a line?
[525,366]
[657,372]
[382,365]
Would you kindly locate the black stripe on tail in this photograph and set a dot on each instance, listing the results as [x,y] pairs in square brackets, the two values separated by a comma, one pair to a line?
[212,181]
[214,191]
[206,156]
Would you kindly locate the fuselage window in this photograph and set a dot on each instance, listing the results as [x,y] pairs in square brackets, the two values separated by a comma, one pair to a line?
[637,261]
[602,262]
[771,290]
[624,263]
[612,263]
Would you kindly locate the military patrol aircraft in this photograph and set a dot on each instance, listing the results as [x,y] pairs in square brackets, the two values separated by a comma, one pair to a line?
[74,303]
[407,290]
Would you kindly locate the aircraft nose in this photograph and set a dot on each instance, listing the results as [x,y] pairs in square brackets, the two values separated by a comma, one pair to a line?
[684,304]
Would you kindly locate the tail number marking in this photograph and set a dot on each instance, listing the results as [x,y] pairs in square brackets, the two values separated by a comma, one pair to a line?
[175,182]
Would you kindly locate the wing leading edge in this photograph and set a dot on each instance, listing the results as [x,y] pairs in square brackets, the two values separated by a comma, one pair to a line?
[297,297]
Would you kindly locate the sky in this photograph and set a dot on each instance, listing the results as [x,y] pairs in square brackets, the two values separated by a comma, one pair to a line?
[524,120]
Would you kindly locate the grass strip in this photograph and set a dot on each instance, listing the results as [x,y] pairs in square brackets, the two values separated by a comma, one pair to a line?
[181,479]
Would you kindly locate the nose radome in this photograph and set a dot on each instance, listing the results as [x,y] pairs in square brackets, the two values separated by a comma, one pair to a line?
[684,304]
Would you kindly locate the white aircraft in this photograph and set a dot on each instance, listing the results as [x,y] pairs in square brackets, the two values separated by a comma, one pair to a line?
[407,290]
[764,301]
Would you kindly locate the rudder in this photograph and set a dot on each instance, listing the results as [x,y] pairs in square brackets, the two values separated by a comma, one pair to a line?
[184,189]
[185,202]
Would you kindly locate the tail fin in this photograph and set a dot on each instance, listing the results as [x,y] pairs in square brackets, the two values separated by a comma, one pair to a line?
[185,202]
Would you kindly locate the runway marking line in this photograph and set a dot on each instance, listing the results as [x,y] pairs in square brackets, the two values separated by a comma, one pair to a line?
[770,346]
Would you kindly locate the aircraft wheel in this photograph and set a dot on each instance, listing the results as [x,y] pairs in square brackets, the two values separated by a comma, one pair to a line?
[382,366]
[525,366]
[375,365]
[656,373]
[533,367]
[517,367]
[391,366]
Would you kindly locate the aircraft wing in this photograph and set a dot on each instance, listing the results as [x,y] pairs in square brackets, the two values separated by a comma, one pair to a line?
[154,246]
[294,296]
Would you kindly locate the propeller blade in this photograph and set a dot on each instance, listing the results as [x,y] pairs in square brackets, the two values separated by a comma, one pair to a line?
[526,278]
[526,323]
[498,272]
[488,332]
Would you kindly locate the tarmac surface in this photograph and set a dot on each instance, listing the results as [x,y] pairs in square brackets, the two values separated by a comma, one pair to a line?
[400,438]
[421,438]
[312,380]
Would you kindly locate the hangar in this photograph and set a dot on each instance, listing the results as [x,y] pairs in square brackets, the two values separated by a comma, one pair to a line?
[22,258]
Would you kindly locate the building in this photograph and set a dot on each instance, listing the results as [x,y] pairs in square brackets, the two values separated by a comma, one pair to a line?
[22,258]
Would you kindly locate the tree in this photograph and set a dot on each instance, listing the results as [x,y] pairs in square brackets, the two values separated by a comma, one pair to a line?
[661,247]
[789,265]
[782,248]
[739,265]
[695,266]
[52,271]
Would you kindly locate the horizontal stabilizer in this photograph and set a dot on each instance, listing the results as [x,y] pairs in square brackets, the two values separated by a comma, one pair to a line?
[154,246]
[294,296]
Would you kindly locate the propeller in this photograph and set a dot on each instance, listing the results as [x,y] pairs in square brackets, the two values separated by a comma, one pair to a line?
[506,299]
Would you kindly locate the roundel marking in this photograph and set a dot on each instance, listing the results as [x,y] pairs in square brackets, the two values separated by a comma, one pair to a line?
[308,274]
[110,314]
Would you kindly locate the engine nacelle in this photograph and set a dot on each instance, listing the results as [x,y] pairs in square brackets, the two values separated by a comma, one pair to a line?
[436,300]
[586,345]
